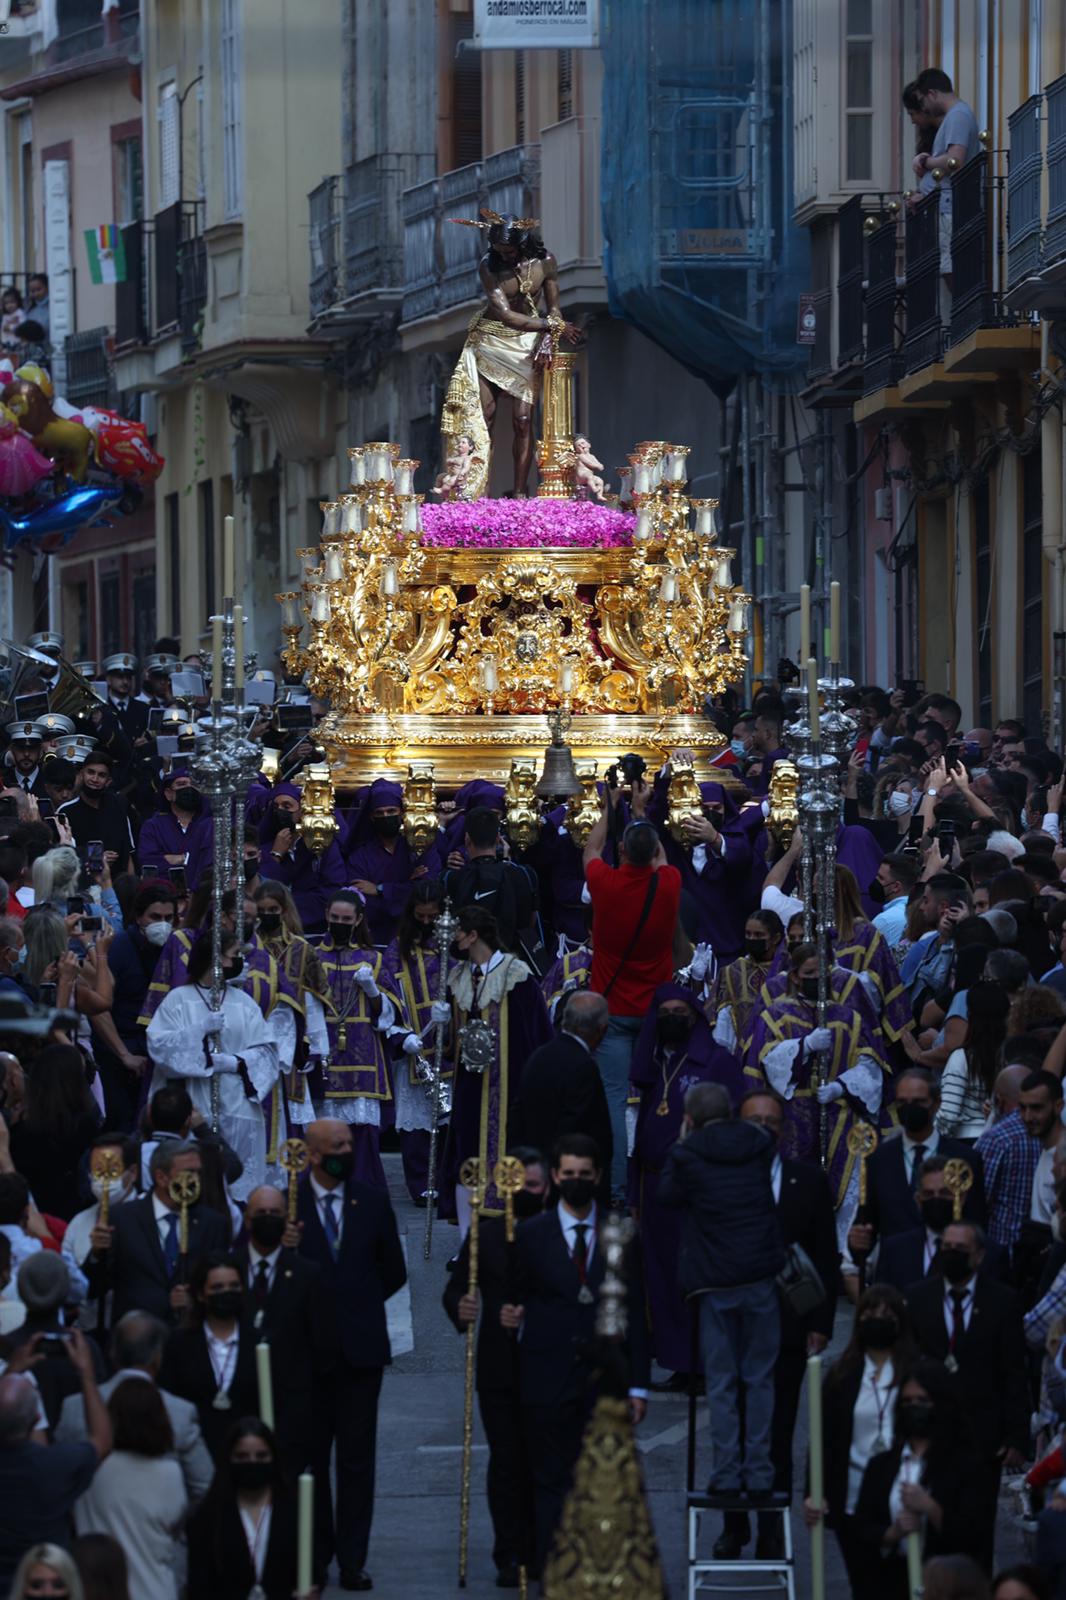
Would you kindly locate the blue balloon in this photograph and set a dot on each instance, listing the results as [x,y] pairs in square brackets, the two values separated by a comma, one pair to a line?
[61,517]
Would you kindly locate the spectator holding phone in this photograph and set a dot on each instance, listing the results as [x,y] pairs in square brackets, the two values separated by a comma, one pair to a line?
[181,835]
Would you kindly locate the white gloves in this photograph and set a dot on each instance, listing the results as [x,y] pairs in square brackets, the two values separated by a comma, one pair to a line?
[412,1045]
[829,1092]
[702,957]
[440,1011]
[817,1040]
[364,977]
[214,1024]
[224,1062]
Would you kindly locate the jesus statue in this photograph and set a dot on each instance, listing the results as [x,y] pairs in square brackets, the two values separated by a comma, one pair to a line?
[508,344]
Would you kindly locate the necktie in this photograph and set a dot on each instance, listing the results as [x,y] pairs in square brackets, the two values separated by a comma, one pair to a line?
[917,1157]
[958,1321]
[329,1219]
[170,1244]
[581,1250]
[260,1286]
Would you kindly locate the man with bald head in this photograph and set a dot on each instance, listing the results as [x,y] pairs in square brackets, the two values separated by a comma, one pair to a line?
[285,1301]
[561,1091]
[1009,1152]
[349,1230]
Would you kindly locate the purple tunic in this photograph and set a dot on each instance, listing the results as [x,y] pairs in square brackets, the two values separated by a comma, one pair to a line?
[479,792]
[163,835]
[310,879]
[663,1076]
[395,870]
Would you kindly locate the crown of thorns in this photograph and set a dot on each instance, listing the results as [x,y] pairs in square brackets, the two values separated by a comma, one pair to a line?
[487,220]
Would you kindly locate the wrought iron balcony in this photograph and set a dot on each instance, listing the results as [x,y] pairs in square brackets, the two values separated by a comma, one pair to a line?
[1054,248]
[357,246]
[924,337]
[883,364]
[1023,192]
[90,378]
[131,297]
[180,273]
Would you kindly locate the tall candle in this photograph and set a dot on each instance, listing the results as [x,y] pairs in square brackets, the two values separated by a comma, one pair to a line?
[358,472]
[817,1477]
[238,647]
[303,1537]
[488,676]
[724,575]
[566,678]
[334,564]
[641,478]
[320,610]
[914,1565]
[216,658]
[805,621]
[266,1387]
[642,531]
[812,692]
[390,582]
[834,622]
[228,588]
[736,617]
[668,589]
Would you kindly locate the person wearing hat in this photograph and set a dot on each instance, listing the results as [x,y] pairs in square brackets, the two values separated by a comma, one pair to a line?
[99,813]
[183,834]
[53,727]
[44,1287]
[24,742]
[381,864]
[48,643]
[156,683]
[132,714]
[286,859]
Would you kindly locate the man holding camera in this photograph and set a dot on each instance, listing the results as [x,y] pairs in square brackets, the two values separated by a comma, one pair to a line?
[634,913]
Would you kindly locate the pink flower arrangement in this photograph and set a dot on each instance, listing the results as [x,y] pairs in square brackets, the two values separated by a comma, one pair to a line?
[526,525]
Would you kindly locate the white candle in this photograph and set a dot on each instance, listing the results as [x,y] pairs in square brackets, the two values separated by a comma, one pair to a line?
[309,560]
[358,461]
[668,589]
[724,576]
[834,622]
[320,610]
[330,517]
[334,564]
[216,658]
[642,531]
[238,647]
[390,582]
[266,1387]
[816,1474]
[488,675]
[304,1534]
[812,692]
[737,614]
[410,515]
[288,609]
[566,678]
[641,478]
[805,621]
[705,522]
[404,481]
[227,558]
[352,518]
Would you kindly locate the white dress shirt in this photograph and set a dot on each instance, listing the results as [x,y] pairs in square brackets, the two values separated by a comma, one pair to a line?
[929,1146]
[569,1223]
[775,1179]
[566,1034]
[255,1256]
[321,1195]
[871,1423]
[222,1354]
[162,1213]
[257,1534]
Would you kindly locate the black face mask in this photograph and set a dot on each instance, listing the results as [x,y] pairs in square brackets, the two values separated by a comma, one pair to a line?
[809,988]
[388,827]
[251,1474]
[456,951]
[233,972]
[188,799]
[248,930]
[251,867]
[672,1030]
[528,1204]
[878,1333]
[915,1419]
[340,933]
[757,949]
[269,921]
[577,1192]
[876,891]
[937,1212]
[267,1231]
[225,1303]
[955,1265]
[716,818]
[913,1116]
[280,818]
[340,1165]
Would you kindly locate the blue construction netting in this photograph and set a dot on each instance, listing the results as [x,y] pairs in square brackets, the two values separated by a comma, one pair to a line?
[700,251]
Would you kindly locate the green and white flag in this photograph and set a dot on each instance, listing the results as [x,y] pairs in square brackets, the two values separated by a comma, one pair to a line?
[107,254]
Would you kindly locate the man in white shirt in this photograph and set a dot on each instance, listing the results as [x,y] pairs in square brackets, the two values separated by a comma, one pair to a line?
[896,877]
[1040,1105]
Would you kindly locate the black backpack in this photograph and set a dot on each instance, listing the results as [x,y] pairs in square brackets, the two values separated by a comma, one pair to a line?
[509,892]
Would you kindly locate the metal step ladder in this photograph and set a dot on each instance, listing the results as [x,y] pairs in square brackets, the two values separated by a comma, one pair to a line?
[708,1576]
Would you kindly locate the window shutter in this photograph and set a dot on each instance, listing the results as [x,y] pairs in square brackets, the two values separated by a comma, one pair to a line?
[169,164]
[231,108]
[566,84]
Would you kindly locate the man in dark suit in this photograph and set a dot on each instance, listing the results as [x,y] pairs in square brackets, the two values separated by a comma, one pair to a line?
[805,1214]
[893,1169]
[561,1090]
[905,1258]
[350,1230]
[508,1482]
[559,1266]
[285,1305]
[974,1325]
[138,1256]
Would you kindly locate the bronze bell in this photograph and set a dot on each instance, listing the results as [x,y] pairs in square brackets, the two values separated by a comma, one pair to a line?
[559,779]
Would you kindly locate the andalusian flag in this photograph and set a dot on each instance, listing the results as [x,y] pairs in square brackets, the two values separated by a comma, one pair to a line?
[107,255]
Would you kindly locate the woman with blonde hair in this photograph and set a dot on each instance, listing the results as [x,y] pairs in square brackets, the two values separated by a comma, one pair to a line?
[55,877]
[86,988]
[46,1572]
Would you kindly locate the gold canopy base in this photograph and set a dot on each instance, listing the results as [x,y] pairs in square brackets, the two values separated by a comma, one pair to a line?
[361,749]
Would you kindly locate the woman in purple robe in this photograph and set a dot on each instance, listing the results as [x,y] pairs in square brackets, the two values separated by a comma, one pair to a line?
[675,1049]
[381,864]
[830,1076]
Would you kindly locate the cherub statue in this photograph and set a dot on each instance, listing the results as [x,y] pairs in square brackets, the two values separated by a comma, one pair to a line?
[587,468]
[450,482]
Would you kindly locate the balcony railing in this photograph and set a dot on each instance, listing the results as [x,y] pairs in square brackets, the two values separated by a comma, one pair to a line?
[440,260]
[357,253]
[180,273]
[325,245]
[973,303]
[1055,226]
[924,337]
[1023,192]
[89,379]
[192,291]
[131,297]
[849,281]
[883,365]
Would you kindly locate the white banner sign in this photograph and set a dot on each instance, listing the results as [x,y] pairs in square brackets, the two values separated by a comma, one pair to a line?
[536,24]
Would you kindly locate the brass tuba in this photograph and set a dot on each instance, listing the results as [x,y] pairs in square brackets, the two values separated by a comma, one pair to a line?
[27,671]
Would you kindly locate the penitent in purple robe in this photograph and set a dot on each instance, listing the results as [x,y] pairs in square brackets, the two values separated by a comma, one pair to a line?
[560,868]
[663,1075]
[508,998]
[310,880]
[395,869]
[163,835]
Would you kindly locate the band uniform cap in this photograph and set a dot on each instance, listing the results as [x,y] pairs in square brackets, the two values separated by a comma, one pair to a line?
[48,641]
[161,663]
[54,724]
[76,749]
[25,733]
[85,669]
[122,662]
[174,717]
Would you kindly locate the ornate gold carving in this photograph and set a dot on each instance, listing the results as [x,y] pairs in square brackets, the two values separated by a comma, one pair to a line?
[317,826]
[419,807]
[685,798]
[523,812]
[784,803]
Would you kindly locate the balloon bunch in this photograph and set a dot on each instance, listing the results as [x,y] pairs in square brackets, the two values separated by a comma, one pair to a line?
[63,466]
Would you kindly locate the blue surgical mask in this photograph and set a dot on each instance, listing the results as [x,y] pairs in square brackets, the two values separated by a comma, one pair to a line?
[738,748]
[899,803]
[20,959]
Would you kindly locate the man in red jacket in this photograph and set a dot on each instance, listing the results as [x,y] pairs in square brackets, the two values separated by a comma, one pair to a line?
[634,914]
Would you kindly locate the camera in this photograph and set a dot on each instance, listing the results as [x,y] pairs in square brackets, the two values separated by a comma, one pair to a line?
[632,767]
